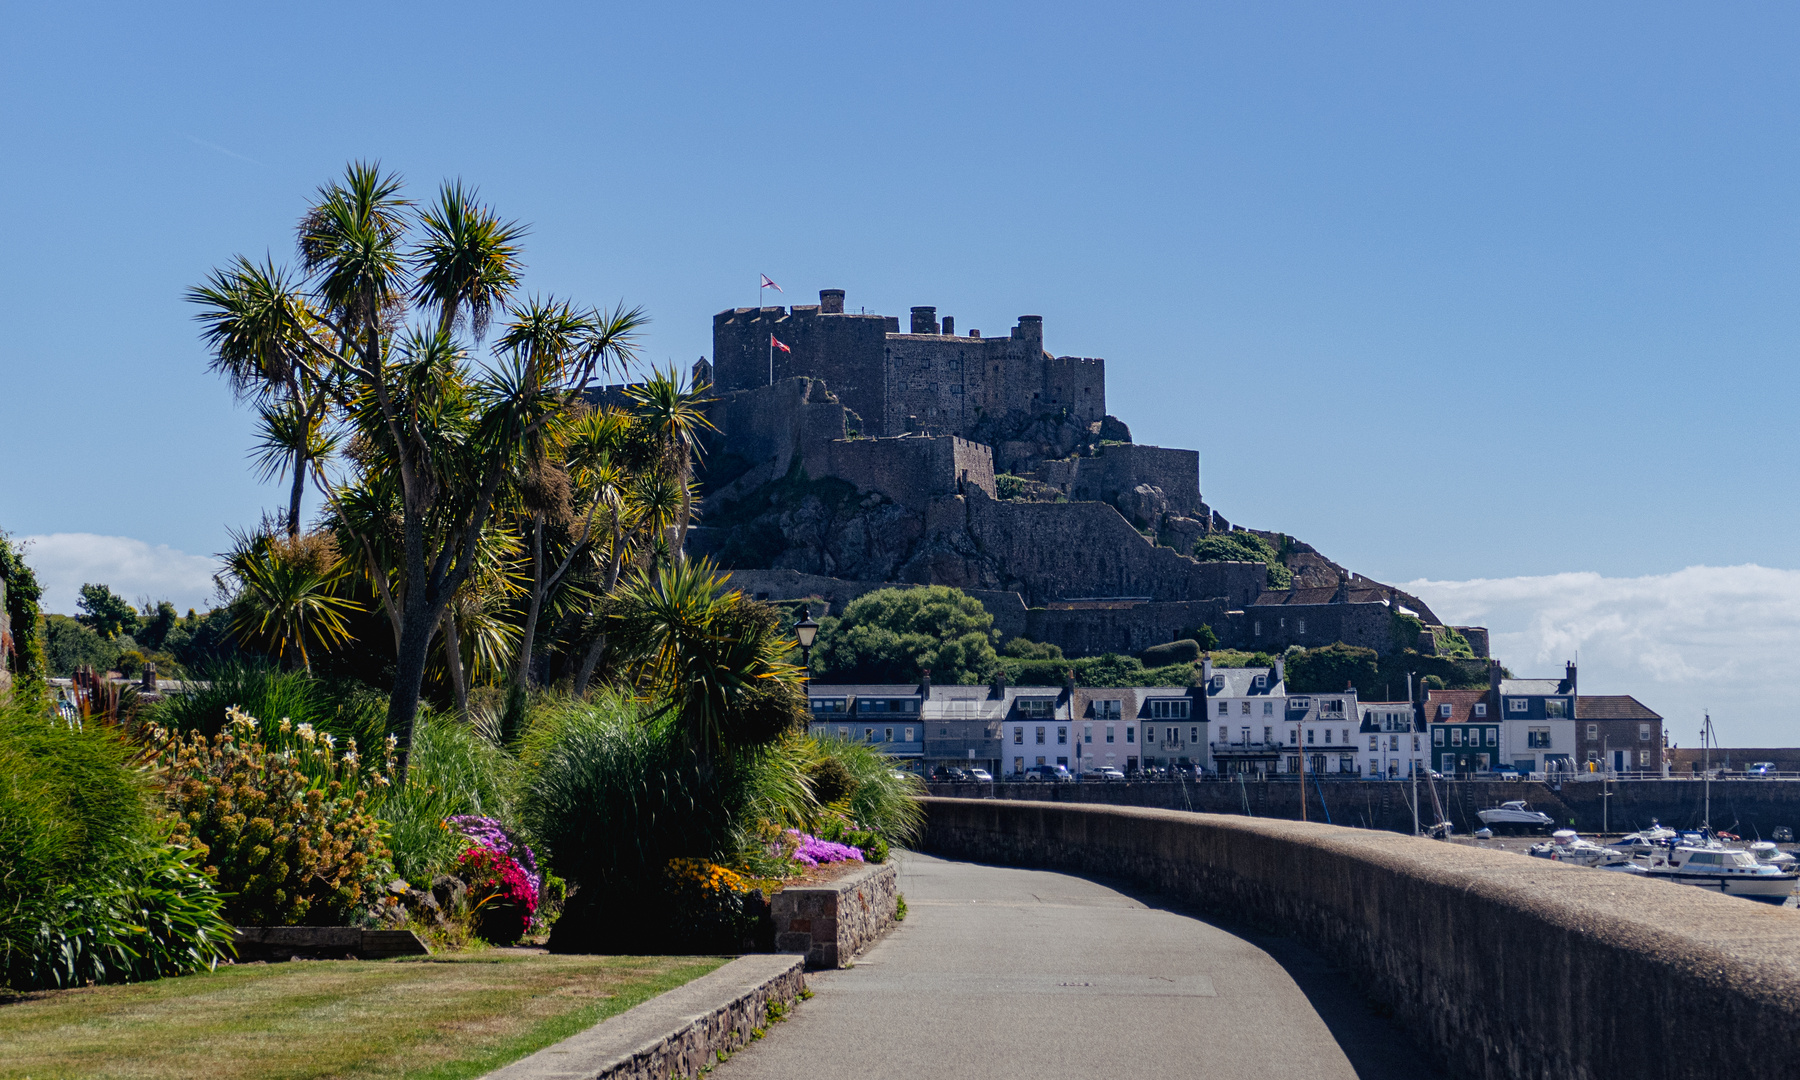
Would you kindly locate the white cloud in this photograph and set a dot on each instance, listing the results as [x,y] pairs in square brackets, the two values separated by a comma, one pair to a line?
[1723,638]
[66,561]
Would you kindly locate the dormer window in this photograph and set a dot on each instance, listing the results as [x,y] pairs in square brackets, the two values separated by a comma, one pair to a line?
[1262,682]
[1444,712]
[1481,708]
[1517,704]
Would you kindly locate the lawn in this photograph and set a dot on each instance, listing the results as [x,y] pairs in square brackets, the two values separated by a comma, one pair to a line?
[437,1017]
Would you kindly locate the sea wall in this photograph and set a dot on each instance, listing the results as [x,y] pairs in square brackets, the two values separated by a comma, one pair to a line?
[1750,808]
[1502,966]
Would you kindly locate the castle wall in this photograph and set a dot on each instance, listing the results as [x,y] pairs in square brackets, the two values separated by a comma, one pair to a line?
[771,424]
[1126,630]
[912,471]
[845,350]
[1053,550]
[1116,470]
[1273,627]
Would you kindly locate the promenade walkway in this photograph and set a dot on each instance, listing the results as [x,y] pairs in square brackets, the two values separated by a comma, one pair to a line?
[1000,972]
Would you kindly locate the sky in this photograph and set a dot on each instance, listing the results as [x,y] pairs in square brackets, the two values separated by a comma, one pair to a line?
[1494,301]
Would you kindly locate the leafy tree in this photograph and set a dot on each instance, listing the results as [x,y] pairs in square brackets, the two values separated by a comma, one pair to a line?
[1024,649]
[1240,546]
[154,625]
[68,645]
[1331,668]
[369,326]
[106,612]
[24,647]
[894,635]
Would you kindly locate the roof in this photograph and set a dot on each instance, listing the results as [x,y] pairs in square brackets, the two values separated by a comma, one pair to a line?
[1612,707]
[1282,597]
[1241,682]
[1536,687]
[1462,706]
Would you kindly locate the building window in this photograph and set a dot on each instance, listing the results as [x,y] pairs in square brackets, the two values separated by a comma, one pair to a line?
[1537,738]
[1394,743]
[1107,710]
[1040,736]
[1437,736]
[1644,733]
[1223,733]
[1302,623]
[1456,737]
[1130,733]
[1293,736]
[1443,712]
[1194,736]
[1493,736]
[1087,733]
[1037,707]
[1256,628]
[1644,758]
[1262,681]
[1268,708]
[1374,742]
[1327,736]
[1018,736]
[1062,735]
[1268,735]
[1171,709]
[843,733]
[1517,704]
[887,734]
[828,705]
[1109,733]
[909,734]
[1593,732]
[1481,708]
[1224,708]
[1311,733]
[868,734]
[1555,709]
[1244,708]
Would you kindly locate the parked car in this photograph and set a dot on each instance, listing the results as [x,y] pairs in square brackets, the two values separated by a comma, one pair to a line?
[981,776]
[1759,768]
[949,774]
[1053,773]
[1105,774]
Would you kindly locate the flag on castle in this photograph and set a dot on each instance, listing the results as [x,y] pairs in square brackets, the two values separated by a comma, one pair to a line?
[775,343]
[769,283]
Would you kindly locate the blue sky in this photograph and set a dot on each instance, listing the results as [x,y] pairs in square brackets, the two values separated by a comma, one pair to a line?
[1452,292]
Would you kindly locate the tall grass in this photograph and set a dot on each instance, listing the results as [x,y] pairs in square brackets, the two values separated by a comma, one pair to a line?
[453,770]
[880,799]
[91,887]
[342,707]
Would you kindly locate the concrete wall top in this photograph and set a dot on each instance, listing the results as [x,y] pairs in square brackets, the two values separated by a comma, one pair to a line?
[1507,966]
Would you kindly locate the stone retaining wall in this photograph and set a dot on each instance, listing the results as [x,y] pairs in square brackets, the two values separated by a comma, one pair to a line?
[1502,965]
[831,923]
[677,1034]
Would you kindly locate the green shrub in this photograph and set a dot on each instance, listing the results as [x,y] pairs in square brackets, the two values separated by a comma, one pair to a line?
[92,887]
[1174,652]
[1008,486]
[1024,649]
[283,821]
[894,635]
[452,770]
[28,665]
[69,645]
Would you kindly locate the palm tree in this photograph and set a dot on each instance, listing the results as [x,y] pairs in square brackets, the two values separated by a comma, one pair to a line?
[671,410]
[288,597]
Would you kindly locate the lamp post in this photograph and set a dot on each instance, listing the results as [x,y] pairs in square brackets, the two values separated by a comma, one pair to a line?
[806,632]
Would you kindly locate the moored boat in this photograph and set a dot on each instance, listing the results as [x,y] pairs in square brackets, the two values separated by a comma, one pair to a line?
[1514,815]
[1731,871]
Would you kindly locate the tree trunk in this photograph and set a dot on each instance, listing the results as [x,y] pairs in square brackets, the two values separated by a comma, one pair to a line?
[293,521]
[523,674]
[588,663]
[453,656]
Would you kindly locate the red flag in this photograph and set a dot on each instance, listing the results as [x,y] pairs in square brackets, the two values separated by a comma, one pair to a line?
[777,344]
[769,283]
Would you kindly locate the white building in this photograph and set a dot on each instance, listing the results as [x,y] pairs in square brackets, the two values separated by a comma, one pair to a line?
[1393,746]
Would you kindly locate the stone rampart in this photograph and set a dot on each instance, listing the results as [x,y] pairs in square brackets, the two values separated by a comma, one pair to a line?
[1090,632]
[1273,627]
[912,471]
[1502,966]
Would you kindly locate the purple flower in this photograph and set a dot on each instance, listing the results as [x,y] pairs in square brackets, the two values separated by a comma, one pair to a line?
[488,833]
[812,851]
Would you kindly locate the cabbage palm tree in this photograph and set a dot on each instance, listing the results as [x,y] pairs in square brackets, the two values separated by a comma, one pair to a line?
[672,411]
[288,595]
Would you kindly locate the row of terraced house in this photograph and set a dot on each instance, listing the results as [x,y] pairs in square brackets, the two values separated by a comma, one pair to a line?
[1246,720]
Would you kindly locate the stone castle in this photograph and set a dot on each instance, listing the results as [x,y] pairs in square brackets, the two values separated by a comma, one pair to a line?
[859,457]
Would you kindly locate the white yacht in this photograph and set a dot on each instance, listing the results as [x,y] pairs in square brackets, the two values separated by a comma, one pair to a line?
[1731,871]
[1565,845]
[1644,841]
[1770,855]
[1514,815]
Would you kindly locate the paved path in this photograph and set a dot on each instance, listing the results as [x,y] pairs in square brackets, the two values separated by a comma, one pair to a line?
[1000,972]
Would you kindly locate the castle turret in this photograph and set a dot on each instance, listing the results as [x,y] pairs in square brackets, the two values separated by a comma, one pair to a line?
[831,301]
[924,320]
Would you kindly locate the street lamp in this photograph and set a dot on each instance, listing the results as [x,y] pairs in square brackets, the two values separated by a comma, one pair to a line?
[806,632]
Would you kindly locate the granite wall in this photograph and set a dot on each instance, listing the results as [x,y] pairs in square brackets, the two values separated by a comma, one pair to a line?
[831,923]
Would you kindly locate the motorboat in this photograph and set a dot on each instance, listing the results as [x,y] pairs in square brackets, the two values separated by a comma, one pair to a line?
[1770,855]
[1514,815]
[1644,841]
[1731,871]
[1565,845]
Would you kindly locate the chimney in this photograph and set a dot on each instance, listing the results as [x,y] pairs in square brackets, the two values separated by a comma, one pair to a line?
[149,683]
[1069,685]
[1280,669]
[974,333]
[997,685]
[1206,672]
[949,326]
[1494,680]
[831,301]
[1571,677]
[924,320]
[925,685]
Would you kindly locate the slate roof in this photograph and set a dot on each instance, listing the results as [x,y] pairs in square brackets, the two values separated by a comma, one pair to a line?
[1241,682]
[1535,687]
[1612,707]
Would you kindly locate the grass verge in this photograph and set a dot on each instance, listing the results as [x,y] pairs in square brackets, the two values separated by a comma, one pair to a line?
[442,1018]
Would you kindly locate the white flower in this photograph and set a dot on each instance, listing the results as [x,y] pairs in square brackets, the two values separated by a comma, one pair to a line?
[330,741]
[305,731]
[286,725]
